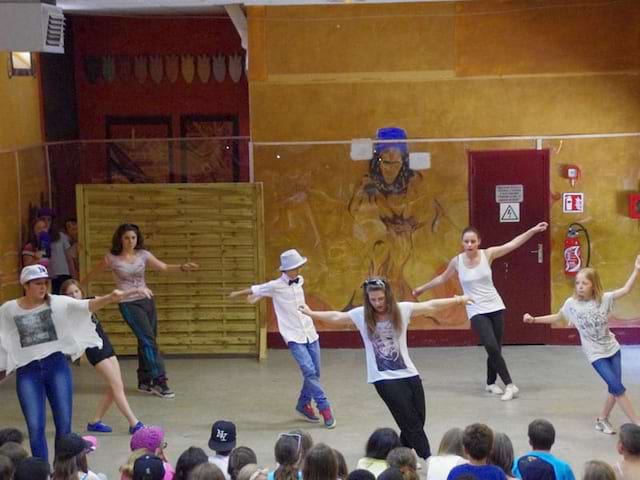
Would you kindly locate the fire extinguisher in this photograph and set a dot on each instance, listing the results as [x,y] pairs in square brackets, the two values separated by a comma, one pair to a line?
[573,249]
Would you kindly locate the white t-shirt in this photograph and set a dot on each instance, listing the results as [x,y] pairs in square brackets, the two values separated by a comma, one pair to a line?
[294,326]
[27,335]
[386,352]
[222,463]
[592,322]
[439,466]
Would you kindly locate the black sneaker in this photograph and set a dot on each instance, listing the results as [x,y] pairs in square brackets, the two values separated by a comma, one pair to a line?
[162,390]
[144,387]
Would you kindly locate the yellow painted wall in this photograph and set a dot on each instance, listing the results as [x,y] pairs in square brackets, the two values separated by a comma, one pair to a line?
[19,127]
[455,69]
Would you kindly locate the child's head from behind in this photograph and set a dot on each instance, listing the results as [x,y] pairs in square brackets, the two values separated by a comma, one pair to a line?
[598,470]
[588,285]
[404,460]
[381,442]
[451,443]
[287,449]
[477,440]
[629,440]
[502,454]
[149,437]
[542,435]
[321,463]
[72,288]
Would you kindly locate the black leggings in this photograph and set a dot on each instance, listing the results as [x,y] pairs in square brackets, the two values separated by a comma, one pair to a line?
[405,399]
[490,329]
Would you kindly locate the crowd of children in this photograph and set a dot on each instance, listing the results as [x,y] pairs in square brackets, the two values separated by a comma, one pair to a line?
[473,453]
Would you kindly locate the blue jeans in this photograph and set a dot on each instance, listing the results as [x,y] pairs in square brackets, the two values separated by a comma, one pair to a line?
[35,382]
[308,357]
[610,369]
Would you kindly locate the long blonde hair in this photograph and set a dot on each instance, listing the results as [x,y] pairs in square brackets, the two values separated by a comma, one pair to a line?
[592,275]
[126,470]
[380,284]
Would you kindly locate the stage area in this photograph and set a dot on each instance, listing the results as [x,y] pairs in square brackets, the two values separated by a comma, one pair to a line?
[556,383]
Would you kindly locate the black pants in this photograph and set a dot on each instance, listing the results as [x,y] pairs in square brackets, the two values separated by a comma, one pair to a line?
[405,399]
[141,316]
[490,329]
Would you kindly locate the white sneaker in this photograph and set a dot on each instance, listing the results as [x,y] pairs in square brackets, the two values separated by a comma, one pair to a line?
[510,392]
[603,425]
[494,389]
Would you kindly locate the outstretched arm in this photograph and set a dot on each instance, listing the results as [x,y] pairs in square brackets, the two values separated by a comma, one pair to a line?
[501,250]
[621,292]
[432,306]
[160,266]
[439,280]
[552,318]
[328,316]
[97,303]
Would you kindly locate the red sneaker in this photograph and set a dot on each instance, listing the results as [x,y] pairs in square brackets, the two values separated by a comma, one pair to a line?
[307,413]
[329,420]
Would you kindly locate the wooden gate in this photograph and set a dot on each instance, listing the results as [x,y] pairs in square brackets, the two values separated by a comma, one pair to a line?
[219,226]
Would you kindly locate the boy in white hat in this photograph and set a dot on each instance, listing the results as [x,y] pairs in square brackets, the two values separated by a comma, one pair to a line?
[298,332]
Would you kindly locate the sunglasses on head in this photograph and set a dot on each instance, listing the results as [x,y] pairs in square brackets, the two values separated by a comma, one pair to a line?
[296,436]
[374,282]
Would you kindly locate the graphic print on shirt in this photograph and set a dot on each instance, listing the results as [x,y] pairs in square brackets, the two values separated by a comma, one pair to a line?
[591,320]
[386,347]
[36,328]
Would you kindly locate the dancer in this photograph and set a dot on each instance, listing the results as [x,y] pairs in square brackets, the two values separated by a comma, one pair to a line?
[588,310]
[128,260]
[383,326]
[36,332]
[486,314]
[106,363]
[297,331]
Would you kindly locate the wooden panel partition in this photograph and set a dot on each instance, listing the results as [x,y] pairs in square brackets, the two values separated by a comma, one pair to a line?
[219,226]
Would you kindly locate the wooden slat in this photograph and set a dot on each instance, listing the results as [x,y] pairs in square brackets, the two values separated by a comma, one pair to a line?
[219,226]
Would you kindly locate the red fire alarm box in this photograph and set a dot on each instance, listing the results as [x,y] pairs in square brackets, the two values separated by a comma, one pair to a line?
[634,205]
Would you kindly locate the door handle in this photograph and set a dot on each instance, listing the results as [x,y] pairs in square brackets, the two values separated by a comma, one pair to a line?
[540,253]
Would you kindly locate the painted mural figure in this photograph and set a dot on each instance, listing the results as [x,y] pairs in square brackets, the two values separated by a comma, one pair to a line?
[486,314]
[388,207]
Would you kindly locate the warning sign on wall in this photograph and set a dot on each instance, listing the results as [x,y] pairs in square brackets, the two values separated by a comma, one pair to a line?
[509,212]
[509,193]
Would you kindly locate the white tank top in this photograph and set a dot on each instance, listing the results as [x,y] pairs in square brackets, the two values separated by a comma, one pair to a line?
[477,283]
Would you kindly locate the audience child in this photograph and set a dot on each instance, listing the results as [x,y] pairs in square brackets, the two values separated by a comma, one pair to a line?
[222,441]
[404,460]
[598,470]
[190,458]
[152,438]
[32,468]
[502,454]
[320,464]
[629,447]
[287,454]
[149,467]
[126,470]
[240,456]
[450,454]
[361,474]
[343,469]
[11,435]
[477,440]
[539,462]
[206,471]
[379,444]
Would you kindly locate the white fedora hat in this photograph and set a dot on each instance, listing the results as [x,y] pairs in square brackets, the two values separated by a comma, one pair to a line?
[291,259]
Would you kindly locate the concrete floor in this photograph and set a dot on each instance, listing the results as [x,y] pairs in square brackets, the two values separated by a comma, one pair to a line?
[556,383]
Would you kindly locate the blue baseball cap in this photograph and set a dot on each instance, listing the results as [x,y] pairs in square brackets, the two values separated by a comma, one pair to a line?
[391,133]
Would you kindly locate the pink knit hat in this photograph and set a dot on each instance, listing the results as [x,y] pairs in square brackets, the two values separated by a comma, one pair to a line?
[150,438]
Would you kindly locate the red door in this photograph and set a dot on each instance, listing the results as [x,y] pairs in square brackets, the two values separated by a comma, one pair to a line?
[509,193]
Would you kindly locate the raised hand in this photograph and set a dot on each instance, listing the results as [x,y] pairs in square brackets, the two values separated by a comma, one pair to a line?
[541,227]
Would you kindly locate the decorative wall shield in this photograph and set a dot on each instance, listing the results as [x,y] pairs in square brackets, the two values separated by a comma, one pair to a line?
[235,67]
[219,68]
[204,68]
[93,69]
[140,68]
[156,68]
[172,67]
[124,68]
[188,67]
[108,68]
